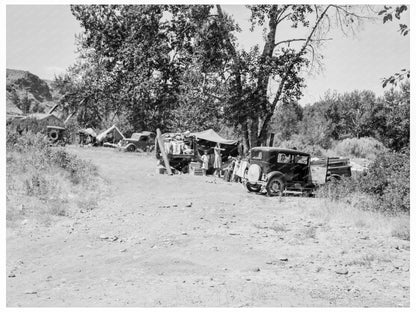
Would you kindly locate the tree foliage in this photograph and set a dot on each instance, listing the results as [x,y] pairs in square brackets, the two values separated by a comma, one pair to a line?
[388,12]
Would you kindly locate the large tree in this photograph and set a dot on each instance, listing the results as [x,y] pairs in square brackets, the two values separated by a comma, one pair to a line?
[151,63]
[266,76]
[140,58]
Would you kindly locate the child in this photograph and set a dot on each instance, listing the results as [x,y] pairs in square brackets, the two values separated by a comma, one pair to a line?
[205,160]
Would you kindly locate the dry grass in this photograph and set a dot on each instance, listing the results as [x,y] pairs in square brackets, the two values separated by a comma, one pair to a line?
[37,189]
[335,212]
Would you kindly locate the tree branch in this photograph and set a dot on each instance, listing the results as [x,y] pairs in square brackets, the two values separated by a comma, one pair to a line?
[301,39]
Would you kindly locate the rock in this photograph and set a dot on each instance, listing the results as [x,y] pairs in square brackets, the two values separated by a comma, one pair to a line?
[123,250]
[24,222]
[188,204]
[283,259]
[256,269]
[394,284]
[31,292]
[184,233]
[341,271]
[11,274]
[103,236]
[396,265]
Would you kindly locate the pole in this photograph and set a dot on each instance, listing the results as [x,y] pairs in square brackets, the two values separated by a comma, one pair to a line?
[162,150]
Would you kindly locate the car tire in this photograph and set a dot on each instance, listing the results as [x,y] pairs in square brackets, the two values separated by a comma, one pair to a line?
[131,148]
[54,135]
[253,188]
[275,187]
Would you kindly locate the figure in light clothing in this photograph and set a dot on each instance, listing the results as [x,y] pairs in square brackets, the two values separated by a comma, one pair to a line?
[205,160]
[218,160]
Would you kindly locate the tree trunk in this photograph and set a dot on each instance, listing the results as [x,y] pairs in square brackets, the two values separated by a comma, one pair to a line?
[246,141]
[264,127]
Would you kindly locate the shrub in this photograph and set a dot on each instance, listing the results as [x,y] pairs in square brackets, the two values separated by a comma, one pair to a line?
[386,183]
[389,178]
[298,142]
[45,180]
[366,147]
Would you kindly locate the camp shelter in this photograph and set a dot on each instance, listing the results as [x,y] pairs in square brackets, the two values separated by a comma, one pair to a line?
[87,136]
[49,119]
[34,122]
[88,131]
[112,135]
[209,138]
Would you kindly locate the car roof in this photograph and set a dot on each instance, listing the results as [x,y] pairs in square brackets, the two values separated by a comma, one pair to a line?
[277,149]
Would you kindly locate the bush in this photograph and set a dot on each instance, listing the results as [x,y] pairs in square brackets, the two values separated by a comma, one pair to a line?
[366,147]
[298,142]
[78,169]
[386,183]
[44,180]
[388,177]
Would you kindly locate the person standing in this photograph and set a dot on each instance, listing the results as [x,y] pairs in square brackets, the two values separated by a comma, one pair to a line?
[217,160]
[205,161]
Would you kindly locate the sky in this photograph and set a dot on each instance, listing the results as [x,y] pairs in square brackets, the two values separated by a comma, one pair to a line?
[41,39]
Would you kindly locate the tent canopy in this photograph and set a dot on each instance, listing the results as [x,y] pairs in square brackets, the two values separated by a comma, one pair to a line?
[116,133]
[212,136]
[88,131]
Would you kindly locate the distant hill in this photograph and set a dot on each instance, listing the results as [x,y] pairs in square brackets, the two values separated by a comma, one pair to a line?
[26,93]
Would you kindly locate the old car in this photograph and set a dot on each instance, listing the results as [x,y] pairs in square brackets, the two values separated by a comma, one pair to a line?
[56,135]
[276,170]
[142,141]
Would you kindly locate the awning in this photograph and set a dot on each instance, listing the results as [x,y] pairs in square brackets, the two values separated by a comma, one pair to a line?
[88,131]
[212,136]
[102,135]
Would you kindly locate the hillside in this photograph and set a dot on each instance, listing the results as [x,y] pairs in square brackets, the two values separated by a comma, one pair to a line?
[26,93]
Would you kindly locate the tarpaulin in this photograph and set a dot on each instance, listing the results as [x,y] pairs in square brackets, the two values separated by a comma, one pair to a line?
[212,136]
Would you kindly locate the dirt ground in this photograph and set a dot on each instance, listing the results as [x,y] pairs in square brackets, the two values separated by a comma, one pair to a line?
[158,240]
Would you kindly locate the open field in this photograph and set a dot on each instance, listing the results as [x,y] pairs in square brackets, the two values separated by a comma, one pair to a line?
[158,240]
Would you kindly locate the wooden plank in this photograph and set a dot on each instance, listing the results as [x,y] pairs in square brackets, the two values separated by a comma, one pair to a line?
[162,150]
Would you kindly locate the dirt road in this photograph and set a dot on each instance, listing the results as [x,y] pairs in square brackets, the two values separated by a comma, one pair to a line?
[158,240]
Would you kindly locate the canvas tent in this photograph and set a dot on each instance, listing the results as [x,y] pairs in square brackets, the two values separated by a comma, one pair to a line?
[87,136]
[50,119]
[112,134]
[211,136]
[88,131]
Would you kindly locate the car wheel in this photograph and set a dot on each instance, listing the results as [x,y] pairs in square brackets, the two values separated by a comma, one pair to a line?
[275,187]
[253,187]
[131,148]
